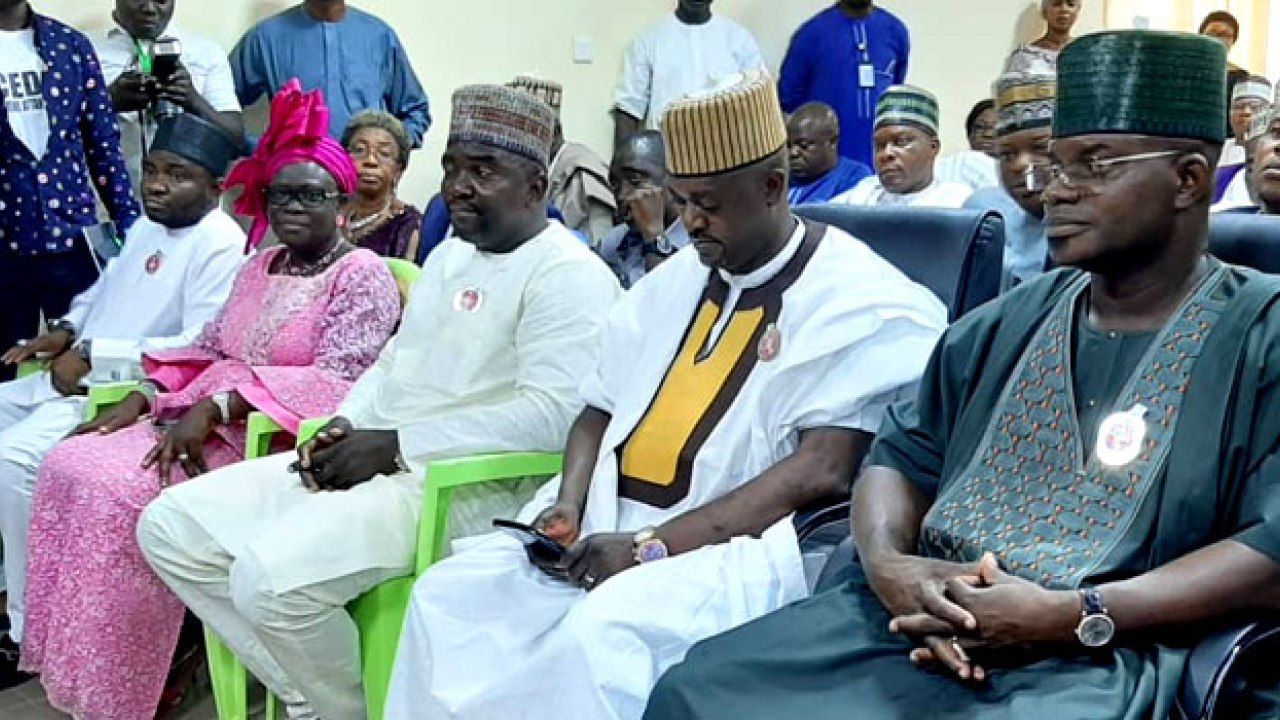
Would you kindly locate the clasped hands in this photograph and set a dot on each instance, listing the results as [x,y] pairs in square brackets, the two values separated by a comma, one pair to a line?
[951,610]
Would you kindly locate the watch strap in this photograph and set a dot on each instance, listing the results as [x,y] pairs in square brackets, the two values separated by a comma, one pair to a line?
[1091,602]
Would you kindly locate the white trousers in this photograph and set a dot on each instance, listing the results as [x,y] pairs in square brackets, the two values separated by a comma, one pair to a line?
[489,637]
[33,418]
[300,642]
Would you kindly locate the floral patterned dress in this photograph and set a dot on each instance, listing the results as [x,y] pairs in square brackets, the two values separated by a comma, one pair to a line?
[101,627]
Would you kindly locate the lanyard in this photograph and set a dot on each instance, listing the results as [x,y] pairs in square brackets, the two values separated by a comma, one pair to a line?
[861,42]
[144,57]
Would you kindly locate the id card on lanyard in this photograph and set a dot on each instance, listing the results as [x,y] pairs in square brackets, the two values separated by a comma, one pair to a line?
[866,70]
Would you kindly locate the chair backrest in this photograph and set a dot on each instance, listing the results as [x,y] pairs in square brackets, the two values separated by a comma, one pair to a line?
[405,273]
[958,254]
[1249,240]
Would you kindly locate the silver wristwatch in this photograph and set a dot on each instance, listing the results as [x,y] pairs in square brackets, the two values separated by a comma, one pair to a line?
[223,402]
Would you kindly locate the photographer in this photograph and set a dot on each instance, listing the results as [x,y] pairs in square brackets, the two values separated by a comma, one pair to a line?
[155,69]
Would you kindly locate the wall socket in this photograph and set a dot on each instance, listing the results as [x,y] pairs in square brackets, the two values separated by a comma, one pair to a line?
[584,49]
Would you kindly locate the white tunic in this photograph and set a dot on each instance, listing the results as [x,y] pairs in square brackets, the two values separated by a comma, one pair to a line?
[870,193]
[162,288]
[489,636]
[488,358]
[671,60]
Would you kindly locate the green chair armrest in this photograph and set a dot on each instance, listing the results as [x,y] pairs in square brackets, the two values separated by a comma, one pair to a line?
[445,476]
[258,433]
[104,395]
[261,429]
[30,367]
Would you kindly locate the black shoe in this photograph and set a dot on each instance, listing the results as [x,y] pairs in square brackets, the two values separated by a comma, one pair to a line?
[10,676]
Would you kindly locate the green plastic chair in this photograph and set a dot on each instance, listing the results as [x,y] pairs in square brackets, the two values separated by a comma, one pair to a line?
[379,613]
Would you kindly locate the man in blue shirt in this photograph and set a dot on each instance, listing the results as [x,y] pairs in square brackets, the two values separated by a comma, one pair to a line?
[356,59]
[818,173]
[59,145]
[846,56]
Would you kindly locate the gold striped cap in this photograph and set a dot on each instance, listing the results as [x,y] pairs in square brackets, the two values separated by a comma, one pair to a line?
[732,126]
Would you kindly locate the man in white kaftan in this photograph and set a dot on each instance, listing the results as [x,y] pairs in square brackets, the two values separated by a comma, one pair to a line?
[711,387]
[906,156]
[871,192]
[173,273]
[498,331]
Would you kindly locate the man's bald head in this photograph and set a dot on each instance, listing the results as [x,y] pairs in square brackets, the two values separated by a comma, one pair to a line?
[813,138]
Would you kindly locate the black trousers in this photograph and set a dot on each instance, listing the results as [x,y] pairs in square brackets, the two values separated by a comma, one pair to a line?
[35,284]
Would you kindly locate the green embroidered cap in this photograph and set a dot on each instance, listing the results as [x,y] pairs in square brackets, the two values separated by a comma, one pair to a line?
[907,104]
[1143,82]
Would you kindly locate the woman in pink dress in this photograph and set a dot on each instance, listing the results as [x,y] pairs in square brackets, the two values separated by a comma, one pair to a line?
[304,320]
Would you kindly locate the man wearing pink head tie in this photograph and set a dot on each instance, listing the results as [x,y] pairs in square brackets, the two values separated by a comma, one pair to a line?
[498,332]
[303,321]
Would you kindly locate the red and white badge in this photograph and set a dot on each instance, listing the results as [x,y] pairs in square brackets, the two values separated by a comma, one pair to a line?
[469,300]
[1120,437]
[154,262]
[770,344]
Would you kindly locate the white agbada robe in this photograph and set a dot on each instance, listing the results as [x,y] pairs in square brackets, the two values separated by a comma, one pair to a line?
[489,636]
[133,311]
[871,193]
[488,358]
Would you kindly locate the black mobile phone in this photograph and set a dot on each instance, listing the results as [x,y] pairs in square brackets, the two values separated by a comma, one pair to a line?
[538,544]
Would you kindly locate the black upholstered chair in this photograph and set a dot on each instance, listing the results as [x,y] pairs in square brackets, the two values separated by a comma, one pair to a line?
[958,254]
[1220,666]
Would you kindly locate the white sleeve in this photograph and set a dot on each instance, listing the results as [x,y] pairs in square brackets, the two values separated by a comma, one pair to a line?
[556,344]
[83,303]
[748,53]
[219,87]
[635,85]
[357,406]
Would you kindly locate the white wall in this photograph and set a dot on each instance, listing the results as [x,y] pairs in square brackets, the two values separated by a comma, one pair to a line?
[958,47]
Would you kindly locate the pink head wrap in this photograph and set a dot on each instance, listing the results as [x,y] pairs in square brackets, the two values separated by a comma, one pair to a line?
[298,132]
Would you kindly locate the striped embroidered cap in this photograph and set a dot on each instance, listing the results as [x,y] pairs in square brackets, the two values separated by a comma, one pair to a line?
[1024,101]
[504,118]
[1252,87]
[1143,82]
[732,126]
[908,105]
[548,91]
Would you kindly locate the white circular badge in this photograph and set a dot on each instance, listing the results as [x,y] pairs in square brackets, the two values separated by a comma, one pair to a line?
[1120,437]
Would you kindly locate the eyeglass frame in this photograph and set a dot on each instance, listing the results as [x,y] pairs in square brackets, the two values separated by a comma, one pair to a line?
[296,194]
[1057,172]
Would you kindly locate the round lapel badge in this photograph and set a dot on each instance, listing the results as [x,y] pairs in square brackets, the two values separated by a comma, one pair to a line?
[770,344]
[1120,437]
[468,300]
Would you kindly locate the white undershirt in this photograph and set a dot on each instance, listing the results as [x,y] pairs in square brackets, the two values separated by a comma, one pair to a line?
[21,79]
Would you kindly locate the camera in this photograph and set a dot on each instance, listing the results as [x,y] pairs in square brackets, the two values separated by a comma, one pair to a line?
[164,63]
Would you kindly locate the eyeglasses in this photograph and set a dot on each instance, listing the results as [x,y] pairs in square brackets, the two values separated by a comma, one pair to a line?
[308,198]
[1093,172]
[382,155]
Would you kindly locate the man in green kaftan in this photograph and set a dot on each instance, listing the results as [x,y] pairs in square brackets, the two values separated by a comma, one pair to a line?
[1088,481]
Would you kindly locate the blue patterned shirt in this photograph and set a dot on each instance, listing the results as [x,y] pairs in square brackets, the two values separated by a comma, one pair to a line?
[46,202]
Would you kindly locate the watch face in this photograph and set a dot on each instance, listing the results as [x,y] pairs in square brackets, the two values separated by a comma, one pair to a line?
[664,245]
[651,550]
[1096,631]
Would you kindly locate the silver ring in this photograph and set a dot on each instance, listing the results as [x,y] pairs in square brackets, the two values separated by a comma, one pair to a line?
[591,580]
[959,649]
[23,343]
[184,457]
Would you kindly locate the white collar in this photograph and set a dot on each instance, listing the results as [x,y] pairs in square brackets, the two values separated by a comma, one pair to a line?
[769,270]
